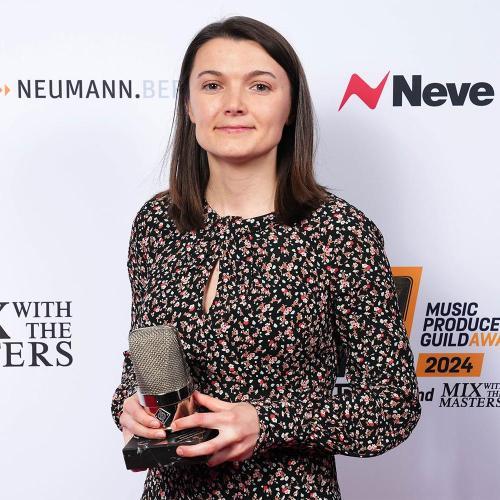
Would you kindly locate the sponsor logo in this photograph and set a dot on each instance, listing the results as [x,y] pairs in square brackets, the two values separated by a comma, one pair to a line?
[38,334]
[412,91]
[92,89]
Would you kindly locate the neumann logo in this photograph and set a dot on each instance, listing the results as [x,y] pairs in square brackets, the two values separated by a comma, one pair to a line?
[4,89]
[44,338]
[92,89]
[432,94]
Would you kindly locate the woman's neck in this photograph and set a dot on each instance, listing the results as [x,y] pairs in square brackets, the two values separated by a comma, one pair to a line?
[242,190]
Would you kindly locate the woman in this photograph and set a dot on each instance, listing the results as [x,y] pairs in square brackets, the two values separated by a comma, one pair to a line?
[268,277]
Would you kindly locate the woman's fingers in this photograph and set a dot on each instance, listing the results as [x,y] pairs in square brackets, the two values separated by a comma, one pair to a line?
[206,448]
[211,403]
[128,421]
[211,420]
[138,421]
[133,402]
[231,453]
[140,415]
[237,425]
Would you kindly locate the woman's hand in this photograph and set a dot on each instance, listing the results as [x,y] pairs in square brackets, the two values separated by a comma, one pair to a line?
[237,423]
[138,420]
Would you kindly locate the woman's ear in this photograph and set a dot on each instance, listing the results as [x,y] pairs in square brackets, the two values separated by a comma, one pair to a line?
[187,106]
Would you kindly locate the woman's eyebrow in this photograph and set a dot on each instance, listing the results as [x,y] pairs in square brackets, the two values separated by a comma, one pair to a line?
[256,72]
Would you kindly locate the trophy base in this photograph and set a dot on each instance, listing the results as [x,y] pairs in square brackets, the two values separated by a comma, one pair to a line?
[142,453]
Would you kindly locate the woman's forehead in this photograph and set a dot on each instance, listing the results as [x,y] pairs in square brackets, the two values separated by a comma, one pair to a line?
[235,58]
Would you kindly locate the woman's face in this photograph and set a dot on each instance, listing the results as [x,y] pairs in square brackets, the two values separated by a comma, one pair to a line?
[236,83]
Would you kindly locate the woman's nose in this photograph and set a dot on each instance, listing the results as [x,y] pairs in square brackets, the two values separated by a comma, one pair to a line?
[234,102]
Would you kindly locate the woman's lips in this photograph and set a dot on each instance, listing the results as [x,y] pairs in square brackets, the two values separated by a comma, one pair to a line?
[234,130]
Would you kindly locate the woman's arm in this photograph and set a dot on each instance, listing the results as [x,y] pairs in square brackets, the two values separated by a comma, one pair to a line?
[137,271]
[124,390]
[383,407]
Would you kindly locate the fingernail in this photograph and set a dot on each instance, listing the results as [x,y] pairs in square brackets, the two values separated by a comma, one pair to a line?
[161,434]
[180,451]
[155,423]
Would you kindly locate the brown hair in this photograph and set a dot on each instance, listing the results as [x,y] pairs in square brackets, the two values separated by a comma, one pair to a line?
[297,193]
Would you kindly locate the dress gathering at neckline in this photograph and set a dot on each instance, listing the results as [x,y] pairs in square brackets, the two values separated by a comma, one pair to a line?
[237,218]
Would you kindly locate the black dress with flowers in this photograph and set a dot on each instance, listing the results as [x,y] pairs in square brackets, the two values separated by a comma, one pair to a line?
[288,300]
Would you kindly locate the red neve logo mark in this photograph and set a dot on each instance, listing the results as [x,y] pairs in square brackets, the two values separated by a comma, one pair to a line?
[367,94]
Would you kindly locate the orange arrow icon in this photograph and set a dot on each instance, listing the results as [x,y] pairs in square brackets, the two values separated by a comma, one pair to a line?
[6,89]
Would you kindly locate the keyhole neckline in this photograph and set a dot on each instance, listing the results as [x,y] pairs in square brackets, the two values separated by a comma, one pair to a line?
[217,290]
[237,218]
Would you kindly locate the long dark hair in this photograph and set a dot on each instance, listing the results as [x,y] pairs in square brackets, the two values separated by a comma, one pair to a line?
[297,193]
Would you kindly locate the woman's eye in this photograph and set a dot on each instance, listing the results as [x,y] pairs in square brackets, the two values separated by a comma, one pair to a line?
[266,87]
[262,87]
[210,83]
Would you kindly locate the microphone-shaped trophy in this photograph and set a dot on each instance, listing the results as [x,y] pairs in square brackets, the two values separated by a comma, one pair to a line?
[165,387]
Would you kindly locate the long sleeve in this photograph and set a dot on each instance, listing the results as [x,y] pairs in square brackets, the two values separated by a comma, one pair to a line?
[137,271]
[383,407]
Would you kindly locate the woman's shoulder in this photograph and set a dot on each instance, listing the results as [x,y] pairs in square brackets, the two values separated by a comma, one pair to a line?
[342,212]
[341,218]
[153,213]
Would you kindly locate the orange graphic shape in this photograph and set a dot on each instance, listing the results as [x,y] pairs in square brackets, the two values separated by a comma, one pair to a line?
[407,281]
[450,364]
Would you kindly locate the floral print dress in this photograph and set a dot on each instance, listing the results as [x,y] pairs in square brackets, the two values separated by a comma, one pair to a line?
[289,300]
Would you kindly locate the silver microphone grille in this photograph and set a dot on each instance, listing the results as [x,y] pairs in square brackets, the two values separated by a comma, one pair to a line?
[159,362]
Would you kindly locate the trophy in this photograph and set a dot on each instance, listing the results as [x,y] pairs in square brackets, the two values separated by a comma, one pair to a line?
[165,387]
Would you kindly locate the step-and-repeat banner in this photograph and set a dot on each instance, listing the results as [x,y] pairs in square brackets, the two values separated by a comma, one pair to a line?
[405,98]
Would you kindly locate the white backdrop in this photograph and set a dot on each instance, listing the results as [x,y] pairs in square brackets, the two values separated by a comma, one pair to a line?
[74,171]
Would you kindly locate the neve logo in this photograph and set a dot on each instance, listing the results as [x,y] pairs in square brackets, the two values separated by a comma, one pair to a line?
[367,94]
[432,94]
